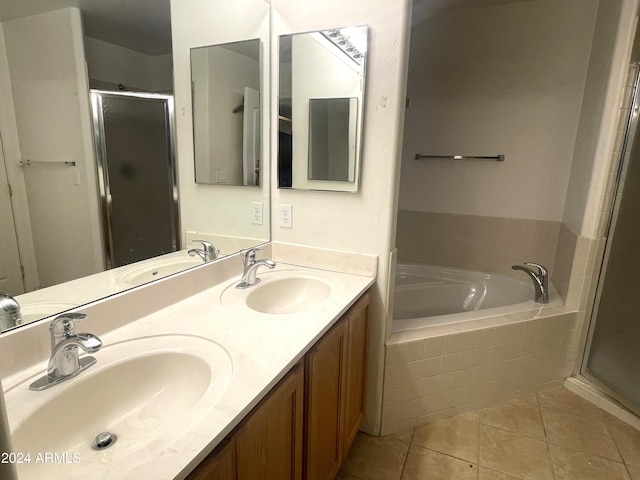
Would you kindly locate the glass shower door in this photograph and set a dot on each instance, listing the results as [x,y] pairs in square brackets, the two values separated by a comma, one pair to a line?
[137,175]
[613,358]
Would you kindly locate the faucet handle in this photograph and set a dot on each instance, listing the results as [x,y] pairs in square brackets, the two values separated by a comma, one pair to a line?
[63,326]
[211,252]
[249,255]
[206,246]
[542,270]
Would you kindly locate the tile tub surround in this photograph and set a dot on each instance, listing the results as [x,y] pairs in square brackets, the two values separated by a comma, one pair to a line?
[554,435]
[490,244]
[437,372]
[262,348]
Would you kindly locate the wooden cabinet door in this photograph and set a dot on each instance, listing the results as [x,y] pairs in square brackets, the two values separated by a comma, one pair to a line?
[325,382]
[355,394]
[269,444]
[219,465]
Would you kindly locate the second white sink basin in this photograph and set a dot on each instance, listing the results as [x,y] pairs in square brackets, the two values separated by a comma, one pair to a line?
[286,291]
[288,295]
[148,391]
[147,271]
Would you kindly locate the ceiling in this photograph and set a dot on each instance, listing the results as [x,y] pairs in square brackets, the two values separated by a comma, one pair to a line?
[140,25]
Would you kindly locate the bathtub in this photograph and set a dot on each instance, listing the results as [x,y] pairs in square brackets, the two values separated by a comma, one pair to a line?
[429,295]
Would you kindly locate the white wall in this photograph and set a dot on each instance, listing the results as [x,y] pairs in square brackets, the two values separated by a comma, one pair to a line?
[362,222]
[506,80]
[15,173]
[586,194]
[114,64]
[50,93]
[215,209]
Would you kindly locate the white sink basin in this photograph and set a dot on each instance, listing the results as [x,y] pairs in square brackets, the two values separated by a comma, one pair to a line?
[149,392]
[150,270]
[282,292]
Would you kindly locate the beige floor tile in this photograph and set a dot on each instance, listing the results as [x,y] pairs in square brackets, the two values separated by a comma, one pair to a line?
[345,476]
[473,416]
[531,398]
[424,464]
[517,455]
[579,433]
[627,439]
[375,458]
[455,436]
[572,465]
[634,471]
[404,436]
[562,399]
[488,474]
[516,416]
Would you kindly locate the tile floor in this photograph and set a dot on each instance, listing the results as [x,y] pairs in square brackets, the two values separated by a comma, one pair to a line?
[554,435]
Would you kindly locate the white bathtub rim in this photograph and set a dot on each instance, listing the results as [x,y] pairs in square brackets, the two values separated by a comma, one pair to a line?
[399,325]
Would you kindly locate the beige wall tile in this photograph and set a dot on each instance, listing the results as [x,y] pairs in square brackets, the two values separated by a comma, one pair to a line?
[490,244]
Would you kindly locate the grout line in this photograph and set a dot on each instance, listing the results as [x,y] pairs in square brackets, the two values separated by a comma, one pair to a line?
[606,424]
[410,444]
[546,439]
[479,438]
[450,456]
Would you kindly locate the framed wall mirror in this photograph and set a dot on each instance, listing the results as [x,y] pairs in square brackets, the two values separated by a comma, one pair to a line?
[226,91]
[53,256]
[320,102]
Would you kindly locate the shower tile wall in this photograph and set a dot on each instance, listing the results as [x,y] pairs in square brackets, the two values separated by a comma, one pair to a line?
[441,376]
[490,244]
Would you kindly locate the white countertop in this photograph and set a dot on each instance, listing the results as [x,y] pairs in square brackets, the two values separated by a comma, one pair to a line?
[262,349]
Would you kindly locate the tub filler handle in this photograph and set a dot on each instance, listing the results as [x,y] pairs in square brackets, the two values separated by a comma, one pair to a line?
[540,276]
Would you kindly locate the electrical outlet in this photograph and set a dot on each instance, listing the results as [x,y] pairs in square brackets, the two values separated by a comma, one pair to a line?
[256,213]
[286,217]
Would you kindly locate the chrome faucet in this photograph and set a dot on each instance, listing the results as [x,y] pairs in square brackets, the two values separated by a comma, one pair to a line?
[64,362]
[208,252]
[250,266]
[9,312]
[540,277]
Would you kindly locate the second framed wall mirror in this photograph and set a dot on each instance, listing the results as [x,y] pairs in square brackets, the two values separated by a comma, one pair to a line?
[320,109]
[226,91]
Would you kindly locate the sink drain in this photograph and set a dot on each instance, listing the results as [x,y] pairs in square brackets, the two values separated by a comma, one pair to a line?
[104,440]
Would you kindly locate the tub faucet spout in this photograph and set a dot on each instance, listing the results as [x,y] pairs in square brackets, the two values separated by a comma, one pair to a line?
[540,277]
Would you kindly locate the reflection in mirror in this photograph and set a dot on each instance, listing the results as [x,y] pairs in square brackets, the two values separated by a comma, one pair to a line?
[332,139]
[226,113]
[53,253]
[321,91]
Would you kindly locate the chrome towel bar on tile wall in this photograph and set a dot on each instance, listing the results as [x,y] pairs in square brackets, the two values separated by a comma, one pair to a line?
[27,163]
[499,158]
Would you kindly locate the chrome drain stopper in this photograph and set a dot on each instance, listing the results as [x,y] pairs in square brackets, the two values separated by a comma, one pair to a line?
[104,440]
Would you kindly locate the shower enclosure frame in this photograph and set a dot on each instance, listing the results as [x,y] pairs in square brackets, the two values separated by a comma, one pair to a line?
[102,173]
[624,158]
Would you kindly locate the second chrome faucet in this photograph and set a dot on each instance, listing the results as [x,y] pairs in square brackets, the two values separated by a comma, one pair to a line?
[250,267]
[540,276]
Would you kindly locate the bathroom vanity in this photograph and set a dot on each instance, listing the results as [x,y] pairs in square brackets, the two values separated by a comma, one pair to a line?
[199,379]
[308,421]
